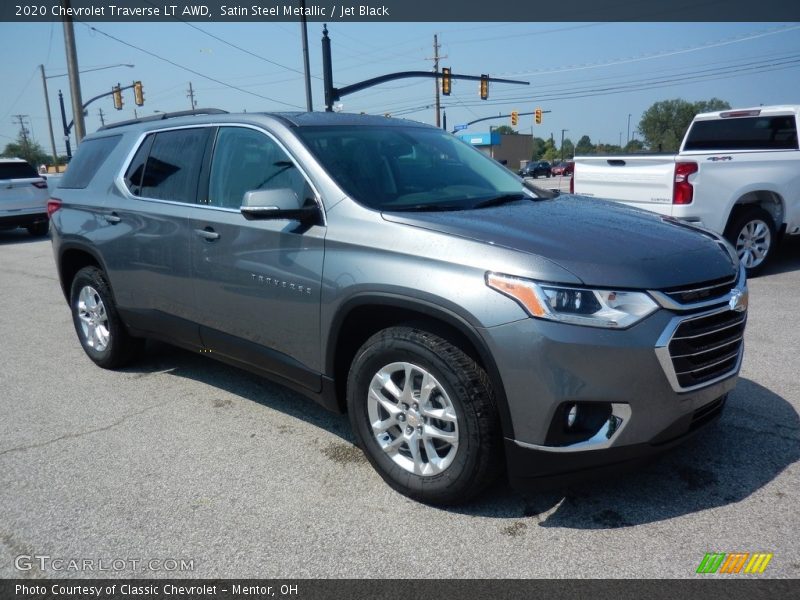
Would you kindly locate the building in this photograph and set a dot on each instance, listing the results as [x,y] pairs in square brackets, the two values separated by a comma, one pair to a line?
[513,150]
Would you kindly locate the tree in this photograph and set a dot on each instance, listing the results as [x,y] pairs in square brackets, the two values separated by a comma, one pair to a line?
[538,148]
[505,130]
[633,146]
[567,150]
[550,152]
[663,124]
[584,146]
[27,149]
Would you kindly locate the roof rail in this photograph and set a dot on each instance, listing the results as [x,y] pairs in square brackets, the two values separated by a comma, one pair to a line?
[164,115]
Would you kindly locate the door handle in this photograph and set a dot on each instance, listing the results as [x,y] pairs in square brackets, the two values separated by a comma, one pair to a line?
[112,218]
[207,234]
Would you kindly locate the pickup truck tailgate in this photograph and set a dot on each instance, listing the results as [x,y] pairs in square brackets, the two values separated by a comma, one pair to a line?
[642,181]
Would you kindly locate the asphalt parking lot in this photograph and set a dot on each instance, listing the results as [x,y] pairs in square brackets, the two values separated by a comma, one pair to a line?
[180,458]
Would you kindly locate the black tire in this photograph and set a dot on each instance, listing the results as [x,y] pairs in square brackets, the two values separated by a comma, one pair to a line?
[39,229]
[460,383]
[751,231]
[112,346]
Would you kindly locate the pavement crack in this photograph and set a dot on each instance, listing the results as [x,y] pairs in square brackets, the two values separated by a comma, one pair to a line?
[71,436]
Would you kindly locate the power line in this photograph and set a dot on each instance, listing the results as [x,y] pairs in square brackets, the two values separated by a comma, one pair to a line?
[198,73]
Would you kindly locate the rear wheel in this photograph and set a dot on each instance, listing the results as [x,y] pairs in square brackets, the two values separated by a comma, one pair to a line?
[753,235]
[423,412]
[94,314]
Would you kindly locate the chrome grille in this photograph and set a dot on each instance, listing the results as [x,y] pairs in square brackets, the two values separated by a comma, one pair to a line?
[706,348]
[705,291]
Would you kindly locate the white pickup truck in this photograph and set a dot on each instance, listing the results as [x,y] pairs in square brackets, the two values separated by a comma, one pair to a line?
[737,173]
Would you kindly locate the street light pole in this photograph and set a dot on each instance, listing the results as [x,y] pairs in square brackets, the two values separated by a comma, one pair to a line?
[562,143]
[49,118]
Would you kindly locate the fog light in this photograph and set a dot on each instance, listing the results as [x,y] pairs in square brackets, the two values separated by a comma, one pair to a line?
[572,415]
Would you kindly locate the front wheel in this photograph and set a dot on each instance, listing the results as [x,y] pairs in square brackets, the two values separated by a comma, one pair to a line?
[423,412]
[752,233]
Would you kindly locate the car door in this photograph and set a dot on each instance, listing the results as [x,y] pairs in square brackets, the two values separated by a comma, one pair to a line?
[146,242]
[257,282]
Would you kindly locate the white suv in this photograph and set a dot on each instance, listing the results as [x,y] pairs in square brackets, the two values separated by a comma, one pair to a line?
[23,197]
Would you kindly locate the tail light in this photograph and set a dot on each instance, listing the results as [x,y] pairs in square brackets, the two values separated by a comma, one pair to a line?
[682,191]
[42,185]
[52,206]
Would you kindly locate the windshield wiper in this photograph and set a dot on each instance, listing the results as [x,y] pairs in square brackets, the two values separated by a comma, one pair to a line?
[498,200]
[424,208]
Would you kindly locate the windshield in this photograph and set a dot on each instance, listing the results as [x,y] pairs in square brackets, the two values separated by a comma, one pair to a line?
[410,168]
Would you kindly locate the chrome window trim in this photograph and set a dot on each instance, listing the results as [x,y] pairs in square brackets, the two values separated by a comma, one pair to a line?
[119,180]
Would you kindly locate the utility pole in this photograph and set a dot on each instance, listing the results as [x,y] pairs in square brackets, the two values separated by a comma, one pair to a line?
[102,120]
[562,143]
[190,95]
[23,132]
[435,59]
[72,69]
[629,127]
[49,118]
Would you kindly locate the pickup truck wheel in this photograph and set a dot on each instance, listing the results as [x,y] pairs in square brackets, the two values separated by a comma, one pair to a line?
[752,233]
[94,314]
[423,412]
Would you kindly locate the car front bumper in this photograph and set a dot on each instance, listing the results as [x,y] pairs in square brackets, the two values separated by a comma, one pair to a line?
[548,367]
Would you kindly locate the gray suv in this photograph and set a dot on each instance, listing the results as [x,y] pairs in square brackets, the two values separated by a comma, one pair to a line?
[468,322]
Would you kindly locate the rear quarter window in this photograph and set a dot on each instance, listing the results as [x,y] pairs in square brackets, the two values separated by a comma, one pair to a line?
[87,161]
[744,133]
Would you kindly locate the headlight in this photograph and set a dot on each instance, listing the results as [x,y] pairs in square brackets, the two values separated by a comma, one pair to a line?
[579,306]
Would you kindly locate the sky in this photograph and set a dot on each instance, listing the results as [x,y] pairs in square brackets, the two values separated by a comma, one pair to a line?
[593,78]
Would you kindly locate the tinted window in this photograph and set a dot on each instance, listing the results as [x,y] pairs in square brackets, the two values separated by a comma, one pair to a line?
[133,176]
[246,160]
[17,170]
[87,161]
[744,133]
[173,165]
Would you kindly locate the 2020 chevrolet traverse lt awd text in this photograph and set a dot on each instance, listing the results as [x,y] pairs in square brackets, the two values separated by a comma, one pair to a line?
[465,319]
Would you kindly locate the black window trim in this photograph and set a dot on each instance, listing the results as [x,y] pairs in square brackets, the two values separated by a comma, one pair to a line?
[205,169]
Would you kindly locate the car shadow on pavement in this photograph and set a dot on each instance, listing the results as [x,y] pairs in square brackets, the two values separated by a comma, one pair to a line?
[188,365]
[19,236]
[756,439]
[787,257]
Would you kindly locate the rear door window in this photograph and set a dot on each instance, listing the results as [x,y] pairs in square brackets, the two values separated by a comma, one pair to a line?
[172,169]
[744,133]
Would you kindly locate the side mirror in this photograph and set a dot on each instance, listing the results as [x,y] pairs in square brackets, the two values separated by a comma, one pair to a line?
[280,203]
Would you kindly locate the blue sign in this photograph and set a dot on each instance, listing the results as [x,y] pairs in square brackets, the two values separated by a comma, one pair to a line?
[460,127]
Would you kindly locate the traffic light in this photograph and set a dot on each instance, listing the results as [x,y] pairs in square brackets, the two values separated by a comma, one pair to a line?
[138,93]
[538,116]
[484,87]
[514,118]
[446,82]
[117,97]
